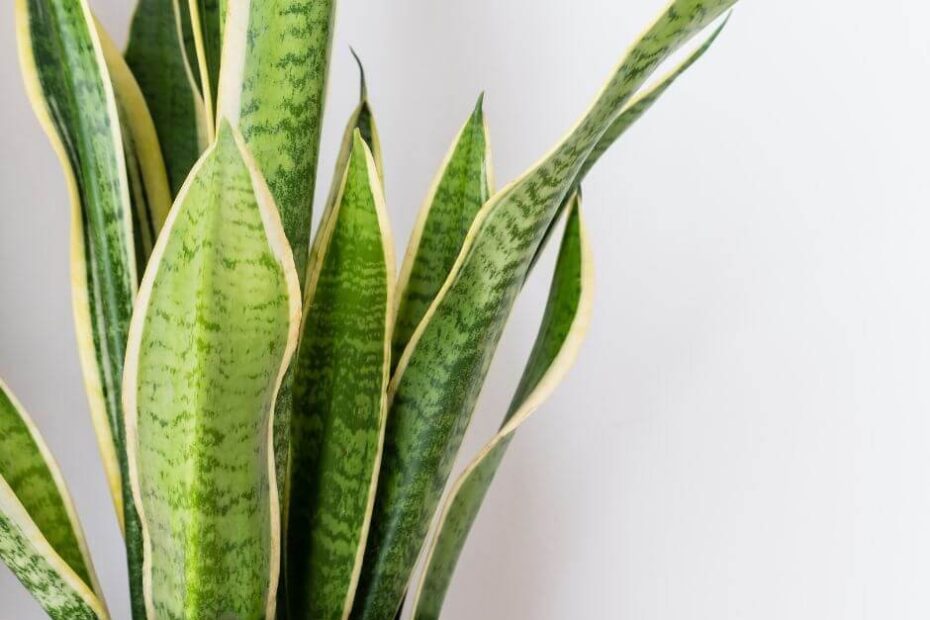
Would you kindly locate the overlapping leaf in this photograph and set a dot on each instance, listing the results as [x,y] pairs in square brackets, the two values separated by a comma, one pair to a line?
[462,186]
[272,86]
[157,55]
[40,538]
[69,85]
[340,397]
[215,325]
[564,323]
[440,374]
[148,180]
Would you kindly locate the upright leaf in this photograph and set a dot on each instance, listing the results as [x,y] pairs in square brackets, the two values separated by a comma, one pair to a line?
[340,397]
[564,323]
[215,325]
[462,186]
[158,58]
[68,83]
[206,22]
[40,537]
[363,121]
[272,86]
[148,180]
[441,371]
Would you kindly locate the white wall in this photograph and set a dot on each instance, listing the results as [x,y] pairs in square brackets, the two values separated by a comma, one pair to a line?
[746,434]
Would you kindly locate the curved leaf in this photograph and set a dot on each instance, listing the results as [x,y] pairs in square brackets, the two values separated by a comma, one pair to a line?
[159,61]
[439,377]
[461,187]
[564,324]
[215,325]
[69,86]
[35,488]
[340,397]
[632,112]
[272,86]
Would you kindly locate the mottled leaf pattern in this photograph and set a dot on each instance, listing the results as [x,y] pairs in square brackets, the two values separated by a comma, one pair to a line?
[632,112]
[215,325]
[340,397]
[440,374]
[462,186]
[69,86]
[157,56]
[560,335]
[31,476]
[363,121]
[145,168]
[272,86]
[23,548]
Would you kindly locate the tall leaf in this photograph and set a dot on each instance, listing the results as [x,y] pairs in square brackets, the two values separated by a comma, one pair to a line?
[68,83]
[340,397]
[441,371]
[157,56]
[215,325]
[462,185]
[563,327]
[148,179]
[272,86]
[206,23]
[40,537]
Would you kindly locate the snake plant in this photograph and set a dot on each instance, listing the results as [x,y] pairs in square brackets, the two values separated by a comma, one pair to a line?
[278,414]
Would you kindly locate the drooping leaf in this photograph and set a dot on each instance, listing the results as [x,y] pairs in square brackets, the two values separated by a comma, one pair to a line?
[340,397]
[215,325]
[159,61]
[206,24]
[272,86]
[439,376]
[145,168]
[461,187]
[41,539]
[564,324]
[69,85]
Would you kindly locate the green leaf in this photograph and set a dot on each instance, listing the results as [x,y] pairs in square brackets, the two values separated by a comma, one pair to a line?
[439,377]
[362,121]
[215,325]
[272,86]
[148,180]
[41,539]
[461,187]
[206,23]
[159,61]
[632,112]
[340,397]
[563,327]
[68,83]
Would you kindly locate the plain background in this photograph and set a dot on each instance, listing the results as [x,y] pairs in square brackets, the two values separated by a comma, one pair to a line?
[747,432]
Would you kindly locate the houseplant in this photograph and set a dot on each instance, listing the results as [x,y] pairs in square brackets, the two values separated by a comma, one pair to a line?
[278,416]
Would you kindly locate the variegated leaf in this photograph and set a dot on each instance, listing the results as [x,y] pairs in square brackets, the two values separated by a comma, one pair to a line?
[461,187]
[41,540]
[166,74]
[340,395]
[440,374]
[215,325]
[565,321]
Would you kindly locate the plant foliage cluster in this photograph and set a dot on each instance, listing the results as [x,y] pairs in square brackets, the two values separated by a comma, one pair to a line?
[278,413]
